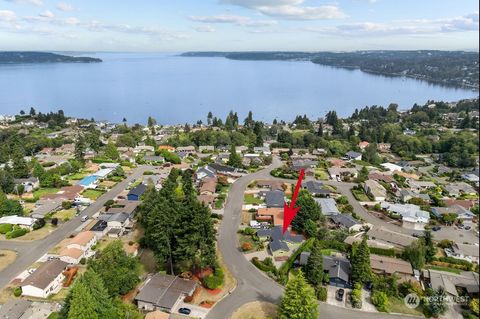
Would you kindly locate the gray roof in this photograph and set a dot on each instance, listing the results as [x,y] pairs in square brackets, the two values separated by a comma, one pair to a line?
[14,308]
[328,206]
[45,208]
[352,154]
[118,217]
[337,267]
[164,290]
[278,240]
[45,274]
[315,188]
[153,158]
[346,220]
[139,190]
[274,198]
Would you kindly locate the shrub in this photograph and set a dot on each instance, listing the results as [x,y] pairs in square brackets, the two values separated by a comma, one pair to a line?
[83,261]
[148,173]
[249,231]
[17,292]
[380,300]
[54,221]
[264,266]
[5,228]
[39,224]
[214,280]
[321,293]
[66,205]
[246,246]
[382,251]
[356,296]
[16,233]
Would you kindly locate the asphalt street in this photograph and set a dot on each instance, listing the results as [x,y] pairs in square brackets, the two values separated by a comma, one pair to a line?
[30,252]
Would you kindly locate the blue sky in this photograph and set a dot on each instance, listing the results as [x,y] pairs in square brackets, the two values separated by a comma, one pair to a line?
[227,25]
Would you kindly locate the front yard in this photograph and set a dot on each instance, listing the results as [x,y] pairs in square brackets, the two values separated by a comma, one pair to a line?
[65,214]
[250,199]
[6,258]
[92,194]
[360,195]
[43,191]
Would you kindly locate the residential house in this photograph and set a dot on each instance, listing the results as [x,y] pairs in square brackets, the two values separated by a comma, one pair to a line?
[44,207]
[406,195]
[461,212]
[384,265]
[383,147]
[265,150]
[47,279]
[470,177]
[226,170]
[342,173]
[241,149]
[206,149]
[412,216]
[153,159]
[299,164]
[419,186]
[382,177]
[164,292]
[118,221]
[391,167]
[328,206]
[23,222]
[468,281]
[83,241]
[346,221]
[100,228]
[363,145]
[338,269]
[14,308]
[269,184]
[274,199]
[204,172]
[315,188]
[466,252]
[383,235]
[136,192]
[207,200]
[457,189]
[29,184]
[67,193]
[352,155]
[208,186]
[374,188]
[280,243]
[336,162]
[272,215]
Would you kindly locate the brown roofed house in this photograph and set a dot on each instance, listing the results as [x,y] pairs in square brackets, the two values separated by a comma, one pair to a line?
[273,215]
[67,193]
[208,186]
[45,280]
[389,266]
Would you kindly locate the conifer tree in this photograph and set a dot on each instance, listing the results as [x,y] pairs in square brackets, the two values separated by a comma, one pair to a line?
[82,303]
[360,260]
[299,301]
[314,266]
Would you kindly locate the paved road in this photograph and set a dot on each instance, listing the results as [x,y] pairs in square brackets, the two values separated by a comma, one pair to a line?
[253,285]
[30,252]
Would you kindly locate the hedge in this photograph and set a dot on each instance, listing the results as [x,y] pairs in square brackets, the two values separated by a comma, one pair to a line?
[382,251]
[16,233]
[263,266]
[285,268]
[5,228]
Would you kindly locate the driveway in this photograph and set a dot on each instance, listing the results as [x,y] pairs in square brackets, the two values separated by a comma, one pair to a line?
[29,252]
[197,311]
[331,296]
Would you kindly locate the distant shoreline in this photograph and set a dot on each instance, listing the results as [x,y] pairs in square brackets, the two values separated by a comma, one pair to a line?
[28,57]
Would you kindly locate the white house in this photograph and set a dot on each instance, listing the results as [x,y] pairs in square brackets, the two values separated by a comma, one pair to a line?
[412,216]
[23,222]
[45,280]
[83,241]
[391,167]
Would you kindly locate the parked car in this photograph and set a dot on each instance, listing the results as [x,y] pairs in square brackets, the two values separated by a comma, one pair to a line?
[436,228]
[416,235]
[84,218]
[339,294]
[467,227]
[184,311]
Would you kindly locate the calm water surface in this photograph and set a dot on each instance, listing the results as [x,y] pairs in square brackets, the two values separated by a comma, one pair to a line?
[177,89]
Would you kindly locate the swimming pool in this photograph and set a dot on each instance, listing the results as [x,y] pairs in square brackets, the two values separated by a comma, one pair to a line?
[87,181]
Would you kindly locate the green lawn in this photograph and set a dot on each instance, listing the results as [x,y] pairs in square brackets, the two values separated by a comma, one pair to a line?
[77,176]
[249,199]
[321,174]
[93,194]
[397,305]
[66,214]
[247,239]
[360,196]
[43,191]
[439,268]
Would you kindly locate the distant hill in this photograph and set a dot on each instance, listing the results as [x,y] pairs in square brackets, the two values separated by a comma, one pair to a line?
[451,68]
[10,57]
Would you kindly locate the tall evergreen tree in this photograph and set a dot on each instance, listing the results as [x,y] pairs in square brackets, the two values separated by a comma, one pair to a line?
[314,267]
[309,210]
[298,301]
[95,286]
[430,249]
[80,148]
[360,260]
[82,303]
[234,159]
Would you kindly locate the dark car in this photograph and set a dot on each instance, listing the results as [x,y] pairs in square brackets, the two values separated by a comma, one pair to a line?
[184,311]
[436,228]
[339,294]
[417,235]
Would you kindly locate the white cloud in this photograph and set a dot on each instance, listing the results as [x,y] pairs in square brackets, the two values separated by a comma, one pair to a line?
[7,16]
[34,2]
[468,22]
[204,28]
[233,19]
[47,14]
[290,9]
[66,7]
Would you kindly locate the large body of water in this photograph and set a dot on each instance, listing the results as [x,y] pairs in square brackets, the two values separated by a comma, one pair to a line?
[177,89]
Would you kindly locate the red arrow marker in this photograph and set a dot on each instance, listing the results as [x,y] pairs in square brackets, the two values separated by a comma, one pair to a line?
[289,212]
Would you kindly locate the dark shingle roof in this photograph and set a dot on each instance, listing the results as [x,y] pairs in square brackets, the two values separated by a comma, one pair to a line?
[138,191]
[45,274]
[345,220]
[274,198]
